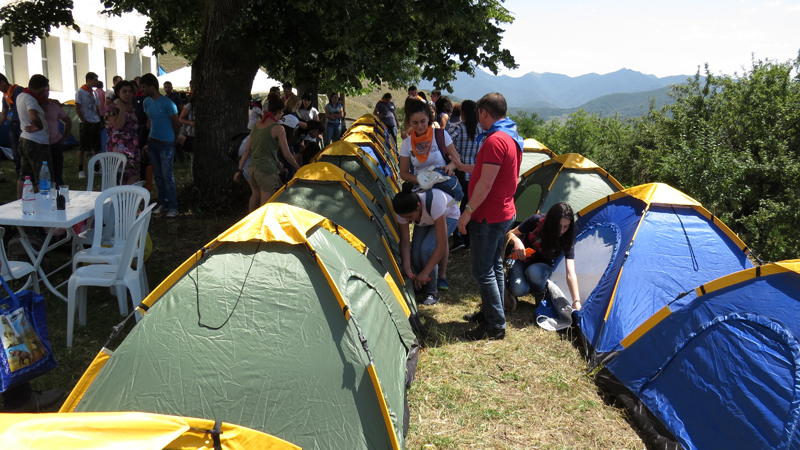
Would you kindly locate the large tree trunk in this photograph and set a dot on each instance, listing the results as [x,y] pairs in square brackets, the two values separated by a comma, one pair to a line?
[223,76]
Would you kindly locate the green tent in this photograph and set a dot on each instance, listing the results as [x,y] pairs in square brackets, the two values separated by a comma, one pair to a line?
[350,158]
[533,154]
[280,324]
[568,178]
[331,192]
[369,142]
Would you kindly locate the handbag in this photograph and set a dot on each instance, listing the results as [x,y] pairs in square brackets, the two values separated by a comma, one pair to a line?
[25,352]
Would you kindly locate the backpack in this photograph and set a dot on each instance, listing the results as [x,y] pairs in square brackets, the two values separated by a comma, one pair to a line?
[438,136]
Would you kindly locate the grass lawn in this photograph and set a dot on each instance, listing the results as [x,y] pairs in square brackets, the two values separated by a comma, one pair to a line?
[530,390]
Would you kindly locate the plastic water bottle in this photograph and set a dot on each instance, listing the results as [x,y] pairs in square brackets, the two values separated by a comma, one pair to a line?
[44,181]
[28,198]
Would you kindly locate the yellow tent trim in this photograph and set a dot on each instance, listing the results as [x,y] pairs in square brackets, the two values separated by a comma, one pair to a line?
[363,138]
[532,145]
[273,222]
[748,274]
[387,418]
[661,193]
[173,278]
[619,275]
[343,148]
[338,294]
[322,171]
[127,431]
[279,222]
[722,226]
[575,161]
[397,294]
[86,380]
[648,324]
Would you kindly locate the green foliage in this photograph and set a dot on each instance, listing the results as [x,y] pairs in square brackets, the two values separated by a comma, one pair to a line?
[333,45]
[38,18]
[731,142]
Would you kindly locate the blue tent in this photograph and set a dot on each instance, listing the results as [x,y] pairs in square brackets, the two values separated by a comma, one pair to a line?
[719,367]
[644,246]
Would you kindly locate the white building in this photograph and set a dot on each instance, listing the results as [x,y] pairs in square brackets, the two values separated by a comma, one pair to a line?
[106,45]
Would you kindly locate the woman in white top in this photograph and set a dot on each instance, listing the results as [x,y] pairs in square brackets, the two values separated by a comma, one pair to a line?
[426,148]
[435,216]
[307,112]
[254,115]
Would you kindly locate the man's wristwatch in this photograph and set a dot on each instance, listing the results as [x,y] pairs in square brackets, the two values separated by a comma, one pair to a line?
[469,209]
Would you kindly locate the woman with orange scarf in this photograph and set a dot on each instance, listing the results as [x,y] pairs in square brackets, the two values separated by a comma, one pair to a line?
[426,149]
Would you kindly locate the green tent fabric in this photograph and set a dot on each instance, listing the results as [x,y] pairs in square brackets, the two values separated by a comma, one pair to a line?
[262,329]
[533,154]
[348,157]
[331,192]
[568,178]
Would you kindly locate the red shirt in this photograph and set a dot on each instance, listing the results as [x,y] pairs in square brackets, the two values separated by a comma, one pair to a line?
[501,150]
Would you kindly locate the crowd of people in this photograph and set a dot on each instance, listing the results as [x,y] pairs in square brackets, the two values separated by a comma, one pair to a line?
[460,164]
[132,118]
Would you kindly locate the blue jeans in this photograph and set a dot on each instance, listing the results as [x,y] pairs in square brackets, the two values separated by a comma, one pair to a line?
[333,132]
[422,247]
[392,131]
[522,279]
[450,187]
[161,156]
[486,255]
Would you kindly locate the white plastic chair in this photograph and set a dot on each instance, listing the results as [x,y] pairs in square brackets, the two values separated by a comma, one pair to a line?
[122,275]
[15,270]
[110,173]
[115,210]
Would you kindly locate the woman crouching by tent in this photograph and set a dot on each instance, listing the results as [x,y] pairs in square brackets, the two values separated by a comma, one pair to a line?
[538,242]
[435,215]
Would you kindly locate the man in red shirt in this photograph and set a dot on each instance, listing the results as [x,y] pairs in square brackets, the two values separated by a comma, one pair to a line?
[491,211]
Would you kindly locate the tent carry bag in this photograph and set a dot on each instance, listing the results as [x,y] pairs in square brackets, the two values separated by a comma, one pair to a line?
[25,353]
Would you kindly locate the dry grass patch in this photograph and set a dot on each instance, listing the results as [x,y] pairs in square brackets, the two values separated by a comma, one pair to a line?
[527,391]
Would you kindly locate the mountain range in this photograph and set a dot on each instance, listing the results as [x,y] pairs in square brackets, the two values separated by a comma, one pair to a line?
[625,91]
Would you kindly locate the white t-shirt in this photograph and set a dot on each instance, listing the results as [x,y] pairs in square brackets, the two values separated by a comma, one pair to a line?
[442,204]
[308,114]
[253,117]
[26,102]
[435,159]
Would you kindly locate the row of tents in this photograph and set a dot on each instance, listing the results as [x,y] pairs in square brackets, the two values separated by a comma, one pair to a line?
[697,342]
[292,329]
[295,327]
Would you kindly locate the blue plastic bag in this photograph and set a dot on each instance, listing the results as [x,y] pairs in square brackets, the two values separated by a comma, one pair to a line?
[25,351]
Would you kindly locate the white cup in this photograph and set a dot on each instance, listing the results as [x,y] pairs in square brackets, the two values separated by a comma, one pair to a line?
[65,192]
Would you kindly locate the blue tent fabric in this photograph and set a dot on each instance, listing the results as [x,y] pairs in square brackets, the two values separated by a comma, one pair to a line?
[382,164]
[721,370]
[668,251]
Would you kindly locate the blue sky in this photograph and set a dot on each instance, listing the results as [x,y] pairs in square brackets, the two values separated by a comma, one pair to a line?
[655,37]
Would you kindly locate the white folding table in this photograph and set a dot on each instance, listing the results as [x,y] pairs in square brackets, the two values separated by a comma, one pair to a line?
[79,208]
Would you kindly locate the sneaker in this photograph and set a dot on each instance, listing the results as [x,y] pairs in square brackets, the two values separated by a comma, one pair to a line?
[172,213]
[456,247]
[160,208]
[476,317]
[431,299]
[443,286]
[39,401]
[485,331]
[81,174]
